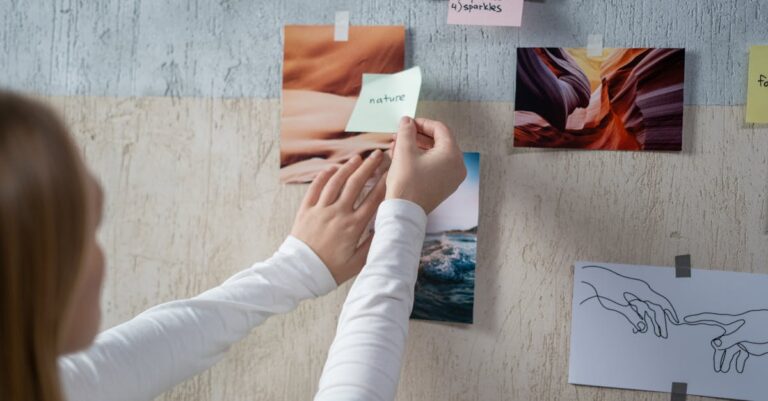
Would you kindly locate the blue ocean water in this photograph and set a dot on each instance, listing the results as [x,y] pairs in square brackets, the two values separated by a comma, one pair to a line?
[445,288]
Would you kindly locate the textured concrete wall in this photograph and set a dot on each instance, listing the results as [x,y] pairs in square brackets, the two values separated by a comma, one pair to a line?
[174,104]
[193,197]
[232,48]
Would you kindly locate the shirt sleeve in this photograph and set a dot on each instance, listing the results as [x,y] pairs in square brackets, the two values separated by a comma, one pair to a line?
[170,343]
[365,357]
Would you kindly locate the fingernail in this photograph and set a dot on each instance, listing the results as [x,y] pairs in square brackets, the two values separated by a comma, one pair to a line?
[405,120]
[376,153]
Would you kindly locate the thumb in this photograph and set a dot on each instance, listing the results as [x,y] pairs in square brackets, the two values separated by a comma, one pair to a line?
[406,135]
[710,318]
[727,340]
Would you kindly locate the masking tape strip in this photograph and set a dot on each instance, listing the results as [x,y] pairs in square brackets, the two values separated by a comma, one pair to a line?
[594,45]
[683,266]
[679,391]
[341,30]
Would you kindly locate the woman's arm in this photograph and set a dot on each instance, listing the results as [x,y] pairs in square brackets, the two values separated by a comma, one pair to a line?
[170,343]
[146,356]
[364,360]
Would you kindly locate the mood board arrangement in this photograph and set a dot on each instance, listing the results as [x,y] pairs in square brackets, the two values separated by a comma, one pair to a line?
[632,326]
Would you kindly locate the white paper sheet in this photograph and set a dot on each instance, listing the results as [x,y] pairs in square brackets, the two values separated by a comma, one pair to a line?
[639,327]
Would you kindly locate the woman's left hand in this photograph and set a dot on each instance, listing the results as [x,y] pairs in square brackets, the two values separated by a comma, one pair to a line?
[328,220]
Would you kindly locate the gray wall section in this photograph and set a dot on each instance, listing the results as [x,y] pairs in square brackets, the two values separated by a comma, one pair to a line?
[234,48]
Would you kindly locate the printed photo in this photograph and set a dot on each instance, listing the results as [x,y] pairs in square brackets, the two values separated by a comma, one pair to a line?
[623,99]
[321,81]
[445,288]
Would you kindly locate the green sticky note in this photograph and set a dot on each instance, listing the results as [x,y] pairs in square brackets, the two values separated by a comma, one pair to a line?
[757,89]
[384,99]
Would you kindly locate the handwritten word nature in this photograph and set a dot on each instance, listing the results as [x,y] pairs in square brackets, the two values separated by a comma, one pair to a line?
[386,99]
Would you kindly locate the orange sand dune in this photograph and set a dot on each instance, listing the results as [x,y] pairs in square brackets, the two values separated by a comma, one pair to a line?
[321,81]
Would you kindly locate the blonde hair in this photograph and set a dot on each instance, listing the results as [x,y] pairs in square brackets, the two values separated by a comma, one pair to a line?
[43,228]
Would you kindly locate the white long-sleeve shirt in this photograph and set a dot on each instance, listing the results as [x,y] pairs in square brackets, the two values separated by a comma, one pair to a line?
[148,355]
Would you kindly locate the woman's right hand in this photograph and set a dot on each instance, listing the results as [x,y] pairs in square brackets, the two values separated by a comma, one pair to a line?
[427,164]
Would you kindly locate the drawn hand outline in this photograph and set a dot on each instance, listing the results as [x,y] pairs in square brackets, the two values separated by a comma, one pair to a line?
[742,337]
[633,298]
[743,333]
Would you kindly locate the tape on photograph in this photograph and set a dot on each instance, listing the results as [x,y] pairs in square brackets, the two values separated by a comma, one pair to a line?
[594,45]
[341,31]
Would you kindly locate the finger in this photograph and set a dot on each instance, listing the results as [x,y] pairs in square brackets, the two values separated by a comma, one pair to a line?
[424,142]
[671,313]
[719,357]
[357,180]
[710,318]
[728,359]
[405,141]
[733,327]
[316,187]
[386,162]
[667,308]
[641,327]
[639,310]
[332,189]
[741,359]
[660,319]
[372,201]
[628,311]
[727,340]
[650,319]
[638,325]
[438,131]
[646,314]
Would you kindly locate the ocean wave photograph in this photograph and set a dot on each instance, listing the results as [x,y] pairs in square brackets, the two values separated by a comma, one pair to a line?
[445,288]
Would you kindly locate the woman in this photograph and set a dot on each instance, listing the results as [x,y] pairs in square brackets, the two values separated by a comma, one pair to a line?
[52,269]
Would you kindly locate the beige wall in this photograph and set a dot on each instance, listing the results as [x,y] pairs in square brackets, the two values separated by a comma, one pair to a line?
[193,196]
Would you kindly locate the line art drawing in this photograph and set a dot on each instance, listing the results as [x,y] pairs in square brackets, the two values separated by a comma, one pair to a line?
[646,310]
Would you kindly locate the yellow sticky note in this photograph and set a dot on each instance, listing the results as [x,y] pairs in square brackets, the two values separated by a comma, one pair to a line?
[757,87]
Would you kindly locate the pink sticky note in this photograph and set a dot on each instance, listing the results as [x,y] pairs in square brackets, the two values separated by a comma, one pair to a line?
[485,12]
